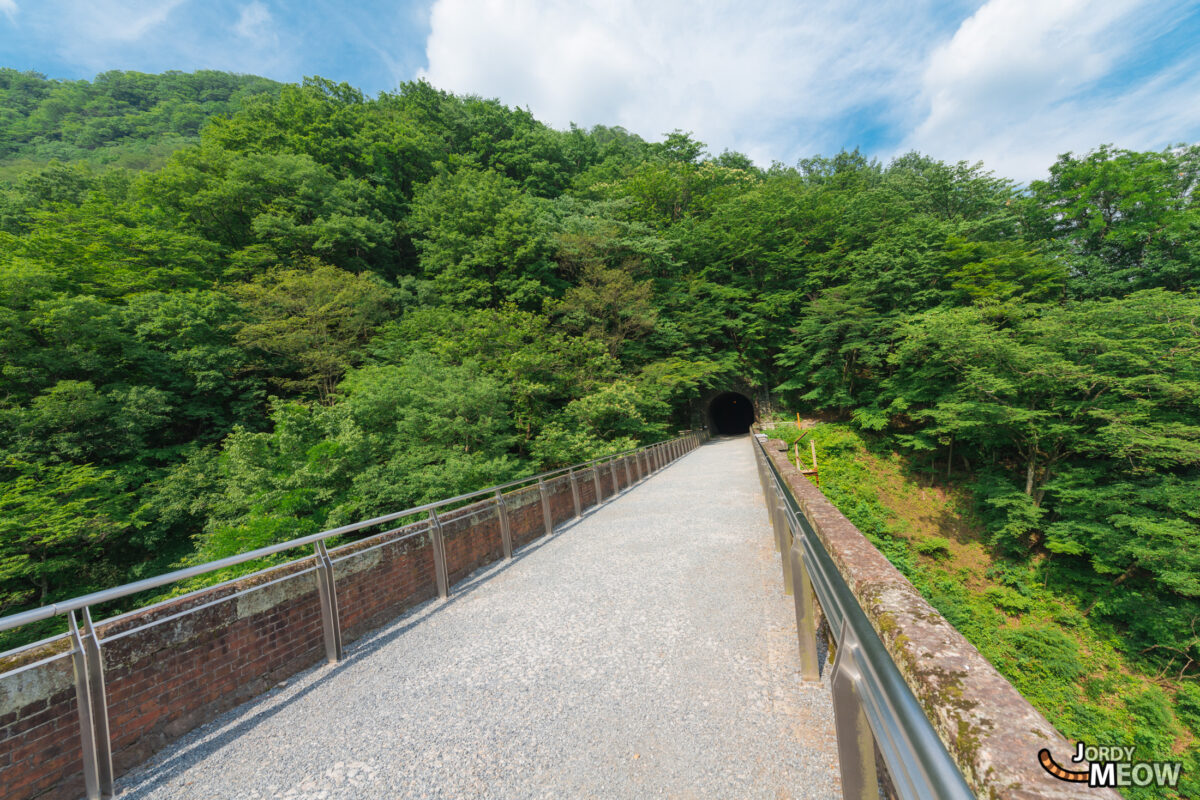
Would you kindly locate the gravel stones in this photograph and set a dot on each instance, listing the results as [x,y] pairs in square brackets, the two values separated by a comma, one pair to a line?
[646,650]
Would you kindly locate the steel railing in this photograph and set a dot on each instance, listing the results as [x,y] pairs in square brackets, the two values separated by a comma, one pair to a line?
[874,708]
[86,642]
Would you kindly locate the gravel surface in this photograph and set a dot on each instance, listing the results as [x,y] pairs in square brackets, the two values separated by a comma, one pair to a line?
[646,650]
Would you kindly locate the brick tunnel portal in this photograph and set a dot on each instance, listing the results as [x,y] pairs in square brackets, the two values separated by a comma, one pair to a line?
[730,413]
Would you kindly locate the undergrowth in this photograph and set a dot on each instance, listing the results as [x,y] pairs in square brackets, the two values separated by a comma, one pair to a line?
[1072,669]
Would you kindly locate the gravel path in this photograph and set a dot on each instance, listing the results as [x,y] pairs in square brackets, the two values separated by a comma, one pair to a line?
[644,651]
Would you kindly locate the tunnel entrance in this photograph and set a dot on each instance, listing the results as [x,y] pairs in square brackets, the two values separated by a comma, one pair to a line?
[730,413]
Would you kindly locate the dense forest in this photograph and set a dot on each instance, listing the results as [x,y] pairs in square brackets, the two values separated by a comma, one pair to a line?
[311,306]
[122,118]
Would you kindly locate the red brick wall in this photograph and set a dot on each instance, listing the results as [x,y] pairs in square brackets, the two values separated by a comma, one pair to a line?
[165,680]
[39,745]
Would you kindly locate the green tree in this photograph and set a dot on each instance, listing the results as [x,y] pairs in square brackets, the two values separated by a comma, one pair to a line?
[482,241]
[316,319]
[54,524]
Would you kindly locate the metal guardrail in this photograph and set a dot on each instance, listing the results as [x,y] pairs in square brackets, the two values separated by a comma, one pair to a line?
[874,709]
[86,650]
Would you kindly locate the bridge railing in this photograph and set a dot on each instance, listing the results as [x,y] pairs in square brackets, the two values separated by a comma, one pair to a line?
[906,686]
[83,645]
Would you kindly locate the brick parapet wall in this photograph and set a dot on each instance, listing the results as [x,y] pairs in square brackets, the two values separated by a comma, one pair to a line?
[987,726]
[217,648]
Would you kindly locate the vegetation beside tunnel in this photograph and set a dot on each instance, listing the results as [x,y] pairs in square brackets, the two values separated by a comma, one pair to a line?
[336,305]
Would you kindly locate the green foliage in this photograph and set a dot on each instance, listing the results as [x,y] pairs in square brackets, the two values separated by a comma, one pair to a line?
[442,293]
[482,240]
[1127,220]
[54,524]
[397,436]
[1007,600]
[1047,655]
[309,324]
[119,117]
[1062,660]
[934,546]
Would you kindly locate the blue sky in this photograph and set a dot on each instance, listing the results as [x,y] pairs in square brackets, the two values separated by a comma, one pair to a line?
[1010,82]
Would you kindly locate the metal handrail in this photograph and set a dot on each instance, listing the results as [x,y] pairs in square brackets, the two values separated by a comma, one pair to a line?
[866,683]
[125,590]
[86,641]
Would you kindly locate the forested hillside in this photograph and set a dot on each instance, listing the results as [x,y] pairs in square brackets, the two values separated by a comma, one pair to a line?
[332,306]
[126,118]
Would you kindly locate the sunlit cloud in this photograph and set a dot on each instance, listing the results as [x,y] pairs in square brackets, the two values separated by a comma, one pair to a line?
[1011,82]
[764,78]
[1022,81]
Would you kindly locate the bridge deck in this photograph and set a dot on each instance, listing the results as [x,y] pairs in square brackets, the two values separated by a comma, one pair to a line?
[645,650]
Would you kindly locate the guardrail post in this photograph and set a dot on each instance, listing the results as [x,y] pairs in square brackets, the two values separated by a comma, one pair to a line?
[575,494]
[781,529]
[441,573]
[785,547]
[331,621]
[612,470]
[546,518]
[806,616]
[637,462]
[772,512]
[856,743]
[505,529]
[628,472]
[596,481]
[95,744]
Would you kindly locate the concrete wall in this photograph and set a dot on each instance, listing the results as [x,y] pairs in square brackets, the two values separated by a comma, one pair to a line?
[168,671]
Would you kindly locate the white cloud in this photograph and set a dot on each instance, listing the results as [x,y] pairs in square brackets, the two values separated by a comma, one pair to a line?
[761,77]
[1023,81]
[117,20]
[91,32]
[255,23]
[1014,84]
[9,9]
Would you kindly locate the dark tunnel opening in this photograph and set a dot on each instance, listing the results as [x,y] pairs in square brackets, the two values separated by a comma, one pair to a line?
[730,413]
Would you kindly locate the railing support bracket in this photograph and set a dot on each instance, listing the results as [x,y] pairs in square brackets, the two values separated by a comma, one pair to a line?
[327,592]
[441,573]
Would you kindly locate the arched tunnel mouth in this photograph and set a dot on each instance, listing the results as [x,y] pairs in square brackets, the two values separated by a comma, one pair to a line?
[730,413]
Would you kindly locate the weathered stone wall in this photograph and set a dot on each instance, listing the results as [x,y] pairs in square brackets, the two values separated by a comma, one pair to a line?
[240,639]
[990,730]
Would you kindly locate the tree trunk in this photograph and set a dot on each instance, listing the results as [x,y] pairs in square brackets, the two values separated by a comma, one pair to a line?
[1029,478]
